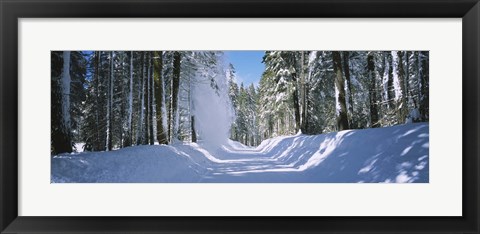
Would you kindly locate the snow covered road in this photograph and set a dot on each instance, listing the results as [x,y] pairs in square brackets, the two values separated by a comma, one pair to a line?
[392,154]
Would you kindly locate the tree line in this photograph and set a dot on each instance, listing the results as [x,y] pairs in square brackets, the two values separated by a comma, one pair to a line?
[115,99]
[316,92]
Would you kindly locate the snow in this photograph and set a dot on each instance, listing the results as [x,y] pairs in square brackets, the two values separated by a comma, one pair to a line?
[311,57]
[280,97]
[79,146]
[213,110]
[398,154]
[413,116]
[337,101]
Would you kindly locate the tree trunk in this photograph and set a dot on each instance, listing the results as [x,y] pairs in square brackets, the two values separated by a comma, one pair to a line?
[61,140]
[194,133]
[305,117]
[140,134]
[424,78]
[386,82]
[109,105]
[346,69]
[66,81]
[122,105]
[160,98]
[147,98]
[407,80]
[296,105]
[303,95]
[172,130]
[191,111]
[372,91]
[97,145]
[128,135]
[151,137]
[341,110]
[399,86]
[390,90]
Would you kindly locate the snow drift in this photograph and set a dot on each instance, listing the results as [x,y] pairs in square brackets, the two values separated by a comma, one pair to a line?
[396,154]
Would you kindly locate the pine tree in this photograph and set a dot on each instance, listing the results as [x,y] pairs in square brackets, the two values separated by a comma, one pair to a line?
[141,96]
[93,124]
[284,64]
[242,115]
[67,99]
[233,94]
[349,91]
[399,86]
[160,98]
[128,134]
[265,108]
[342,121]
[321,94]
[78,70]
[61,128]
[109,105]
[423,74]
[173,116]
[116,98]
[149,108]
[251,116]
[372,91]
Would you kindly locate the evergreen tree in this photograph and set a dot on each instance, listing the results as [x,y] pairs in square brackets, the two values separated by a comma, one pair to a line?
[109,105]
[233,94]
[373,102]
[128,133]
[342,121]
[399,86]
[67,97]
[423,76]
[348,90]
[160,98]
[265,107]
[113,99]
[173,112]
[141,96]
[284,65]
[61,81]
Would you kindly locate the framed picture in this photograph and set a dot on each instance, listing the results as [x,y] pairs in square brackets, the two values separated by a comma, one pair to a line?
[225,116]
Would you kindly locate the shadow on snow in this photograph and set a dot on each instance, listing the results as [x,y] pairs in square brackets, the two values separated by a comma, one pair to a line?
[398,154]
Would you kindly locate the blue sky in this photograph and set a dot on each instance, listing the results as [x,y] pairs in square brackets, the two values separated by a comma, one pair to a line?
[248,65]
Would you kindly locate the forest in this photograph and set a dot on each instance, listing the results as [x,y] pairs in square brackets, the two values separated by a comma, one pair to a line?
[109,100]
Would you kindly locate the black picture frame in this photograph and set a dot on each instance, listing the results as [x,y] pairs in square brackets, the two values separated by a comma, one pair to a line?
[12,10]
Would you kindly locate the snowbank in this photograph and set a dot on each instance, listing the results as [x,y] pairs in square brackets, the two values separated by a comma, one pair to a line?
[396,154]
